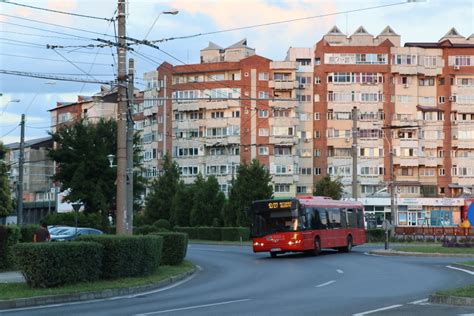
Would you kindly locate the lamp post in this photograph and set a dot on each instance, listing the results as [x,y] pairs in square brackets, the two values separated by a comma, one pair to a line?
[169,12]
[76,206]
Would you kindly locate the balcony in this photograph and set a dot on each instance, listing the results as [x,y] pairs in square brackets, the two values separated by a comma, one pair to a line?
[283,121]
[406,161]
[222,141]
[430,161]
[283,140]
[284,65]
[283,84]
[465,143]
[282,104]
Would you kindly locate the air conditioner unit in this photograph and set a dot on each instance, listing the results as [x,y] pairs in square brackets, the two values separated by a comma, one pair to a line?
[457,67]
[452,98]
[302,86]
[455,136]
[405,85]
[307,140]
[348,140]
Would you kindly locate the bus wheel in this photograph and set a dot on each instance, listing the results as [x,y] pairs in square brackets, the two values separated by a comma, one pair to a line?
[317,246]
[273,254]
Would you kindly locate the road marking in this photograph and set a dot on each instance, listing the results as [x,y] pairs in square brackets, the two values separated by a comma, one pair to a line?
[199,267]
[373,255]
[194,307]
[340,271]
[463,270]
[324,284]
[378,310]
[214,250]
[419,302]
[100,299]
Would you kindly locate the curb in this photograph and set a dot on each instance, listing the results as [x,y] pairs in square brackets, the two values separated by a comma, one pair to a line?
[451,300]
[383,252]
[89,296]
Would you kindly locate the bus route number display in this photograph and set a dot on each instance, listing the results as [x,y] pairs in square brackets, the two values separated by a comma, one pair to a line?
[276,205]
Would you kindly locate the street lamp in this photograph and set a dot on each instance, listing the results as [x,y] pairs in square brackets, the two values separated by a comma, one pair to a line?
[76,206]
[11,101]
[169,12]
[111,160]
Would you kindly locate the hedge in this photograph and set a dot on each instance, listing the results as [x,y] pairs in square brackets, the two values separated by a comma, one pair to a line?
[69,219]
[375,235]
[9,236]
[54,264]
[162,223]
[175,246]
[27,232]
[216,233]
[128,256]
[147,229]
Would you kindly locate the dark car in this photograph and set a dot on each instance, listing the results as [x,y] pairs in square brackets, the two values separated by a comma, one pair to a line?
[70,233]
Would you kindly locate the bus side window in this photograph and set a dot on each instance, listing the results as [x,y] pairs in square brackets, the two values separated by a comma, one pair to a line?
[322,218]
[334,216]
[343,218]
[360,219]
[352,218]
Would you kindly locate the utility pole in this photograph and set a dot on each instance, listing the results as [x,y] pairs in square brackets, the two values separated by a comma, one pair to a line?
[354,153]
[21,161]
[121,212]
[129,219]
[392,186]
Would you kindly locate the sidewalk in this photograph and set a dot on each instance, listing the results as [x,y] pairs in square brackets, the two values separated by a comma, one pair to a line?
[11,277]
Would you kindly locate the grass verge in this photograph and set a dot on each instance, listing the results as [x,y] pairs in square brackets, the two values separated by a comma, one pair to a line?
[467,291]
[21,290]
[435,249]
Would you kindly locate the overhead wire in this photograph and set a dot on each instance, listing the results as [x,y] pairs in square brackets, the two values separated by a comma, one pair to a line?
[50,59]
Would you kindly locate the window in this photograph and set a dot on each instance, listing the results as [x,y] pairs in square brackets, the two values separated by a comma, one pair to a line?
[441,172]
[305,171]
[317,80]
[217,115]
[282,188]
[262,113]
[317,116]
[317,171]
[317,152]
[235,113]
[301,189]
[263,132]
[440,99]
[189,170]
[263,150]
[263,95]
[282,151]
[263,76]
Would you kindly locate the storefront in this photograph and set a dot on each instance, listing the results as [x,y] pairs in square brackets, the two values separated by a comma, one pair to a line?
[414,211]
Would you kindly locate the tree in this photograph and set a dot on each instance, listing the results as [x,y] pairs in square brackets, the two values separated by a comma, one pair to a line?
[207,203]
[253,182]
[328,187]
[200,204]
[182,205]
[6,203]
[160,199]
[83,167]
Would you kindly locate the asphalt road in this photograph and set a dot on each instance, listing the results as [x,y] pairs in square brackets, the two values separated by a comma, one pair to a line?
[234,281]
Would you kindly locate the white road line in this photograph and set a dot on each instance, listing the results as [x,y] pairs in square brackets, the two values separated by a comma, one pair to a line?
[378,310]
[213,250]
[193,307]
[199,267]
[419,302]
[373,255]
[100,299]
[340,271]
[463,270]
[324,284]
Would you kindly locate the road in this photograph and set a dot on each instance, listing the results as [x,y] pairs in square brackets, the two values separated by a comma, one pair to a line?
[234,281]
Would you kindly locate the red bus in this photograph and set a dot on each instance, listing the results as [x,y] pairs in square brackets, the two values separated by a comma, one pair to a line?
[306,224]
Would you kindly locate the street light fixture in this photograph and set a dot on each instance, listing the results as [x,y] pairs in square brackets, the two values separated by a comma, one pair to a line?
[111,160]
[169,12]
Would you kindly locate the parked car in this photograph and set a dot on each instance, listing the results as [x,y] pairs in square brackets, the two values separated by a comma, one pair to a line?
[70,233]
[55,230]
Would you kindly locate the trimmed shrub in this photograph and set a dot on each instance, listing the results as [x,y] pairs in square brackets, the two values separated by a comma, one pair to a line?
[175,246]
[191,231]
[9,236]
[162,223]
[235,233]
[209,233]
[27,232]
[375,235]
[148,229]
[128,256]
[53,264]
[69,219]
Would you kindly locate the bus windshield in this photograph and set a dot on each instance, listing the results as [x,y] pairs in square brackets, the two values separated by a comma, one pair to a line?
[275,220]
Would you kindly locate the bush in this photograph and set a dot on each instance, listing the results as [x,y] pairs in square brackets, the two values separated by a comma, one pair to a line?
[9,236]
[69,219]
[191,231]
[375,235]
[235,233]
[162,223]
[53,264]
[209,233]
[128,256]
[27,232]
[147,229]
[175,246]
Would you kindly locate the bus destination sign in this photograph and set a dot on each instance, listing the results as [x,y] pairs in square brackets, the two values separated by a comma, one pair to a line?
[279,205]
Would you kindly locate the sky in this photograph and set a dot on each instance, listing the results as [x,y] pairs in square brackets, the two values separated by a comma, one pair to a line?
[25,32]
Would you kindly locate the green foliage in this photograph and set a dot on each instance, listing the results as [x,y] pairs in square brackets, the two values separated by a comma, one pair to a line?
[27,232]
[331,188]
[83,165]
[128,256]
[175,246]
[147,229]
[159,200]
[235,233]
[216,233]
[162,223]
[375,235]
[192,232]
[6,203]
[9,236]
[53,264]
[69,219]
[139,219]
[200,204]
[181,205]
[253,182]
